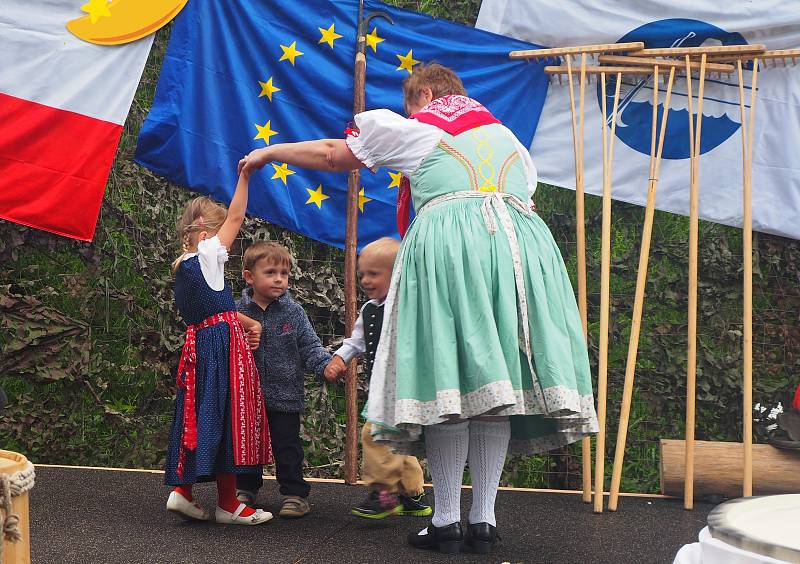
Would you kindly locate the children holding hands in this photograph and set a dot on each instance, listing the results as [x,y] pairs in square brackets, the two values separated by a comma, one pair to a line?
[289,349]
[220,425]
[395,481]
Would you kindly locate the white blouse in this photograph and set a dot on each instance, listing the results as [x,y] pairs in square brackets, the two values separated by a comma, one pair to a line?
[212,255]
[387,139]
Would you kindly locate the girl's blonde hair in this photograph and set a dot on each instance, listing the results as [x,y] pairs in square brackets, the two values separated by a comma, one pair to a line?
[201,214]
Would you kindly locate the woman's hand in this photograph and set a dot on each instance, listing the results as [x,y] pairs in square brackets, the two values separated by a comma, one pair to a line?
[252,161]
[335,369]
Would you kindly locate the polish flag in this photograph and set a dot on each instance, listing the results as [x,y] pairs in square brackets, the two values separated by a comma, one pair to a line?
[62,105]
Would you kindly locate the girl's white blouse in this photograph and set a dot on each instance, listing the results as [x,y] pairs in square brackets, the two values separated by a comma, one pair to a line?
[212,255]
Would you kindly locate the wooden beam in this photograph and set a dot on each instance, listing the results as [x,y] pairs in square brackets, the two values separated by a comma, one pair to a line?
[711,50]
[666,63]
[580,49]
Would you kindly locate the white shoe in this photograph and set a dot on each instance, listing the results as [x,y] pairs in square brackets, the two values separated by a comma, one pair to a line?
[227,518]
[186,509]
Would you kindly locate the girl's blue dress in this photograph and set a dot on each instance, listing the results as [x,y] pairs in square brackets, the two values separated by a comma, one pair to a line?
[197,301]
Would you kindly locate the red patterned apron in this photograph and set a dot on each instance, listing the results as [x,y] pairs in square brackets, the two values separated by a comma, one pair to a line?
[250,430]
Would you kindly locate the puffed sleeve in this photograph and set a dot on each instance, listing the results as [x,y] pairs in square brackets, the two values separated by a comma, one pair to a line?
[527,162]
[213,255]
[387,139]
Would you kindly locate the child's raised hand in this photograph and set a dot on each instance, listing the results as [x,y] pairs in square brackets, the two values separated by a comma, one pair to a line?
[254,160]
[252,330]
[335,369]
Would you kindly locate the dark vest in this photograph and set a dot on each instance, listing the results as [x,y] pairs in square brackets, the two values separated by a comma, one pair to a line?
[373,321]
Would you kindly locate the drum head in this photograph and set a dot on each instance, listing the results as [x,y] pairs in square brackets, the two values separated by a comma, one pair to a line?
[767,525]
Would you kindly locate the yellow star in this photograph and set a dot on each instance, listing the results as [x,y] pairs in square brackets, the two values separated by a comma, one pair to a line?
[373,39]
[281,172]
[265,132]
[290,52]
[316,196]
[97,9]
[407,62]
[268,89]
[396,177]
[328,35]
[362,199]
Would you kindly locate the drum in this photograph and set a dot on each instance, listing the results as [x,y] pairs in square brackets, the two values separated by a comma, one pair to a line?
[19,471]
[766,525]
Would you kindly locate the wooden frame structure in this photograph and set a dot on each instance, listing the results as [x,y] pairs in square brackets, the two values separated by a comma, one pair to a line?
[688,61]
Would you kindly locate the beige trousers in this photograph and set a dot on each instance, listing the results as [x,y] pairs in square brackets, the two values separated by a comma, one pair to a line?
[383,470]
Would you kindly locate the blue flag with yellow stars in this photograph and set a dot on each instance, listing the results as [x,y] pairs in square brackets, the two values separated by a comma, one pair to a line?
[242,74]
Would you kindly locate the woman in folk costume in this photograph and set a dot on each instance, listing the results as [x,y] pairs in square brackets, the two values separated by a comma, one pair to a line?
[482,343]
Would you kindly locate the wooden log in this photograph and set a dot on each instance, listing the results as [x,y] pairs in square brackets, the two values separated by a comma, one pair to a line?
[17,552]
[719,467]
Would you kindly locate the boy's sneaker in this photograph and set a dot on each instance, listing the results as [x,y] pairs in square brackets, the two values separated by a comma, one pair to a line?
[415,506]
[294,507]
[246,496]
[378,505]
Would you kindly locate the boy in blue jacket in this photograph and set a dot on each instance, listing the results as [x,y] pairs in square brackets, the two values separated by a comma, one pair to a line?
[289,348]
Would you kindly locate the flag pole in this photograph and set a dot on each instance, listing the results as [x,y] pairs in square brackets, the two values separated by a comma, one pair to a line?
[350,258]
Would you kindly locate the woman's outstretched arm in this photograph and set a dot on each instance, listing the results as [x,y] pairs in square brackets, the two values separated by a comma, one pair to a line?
[331,155]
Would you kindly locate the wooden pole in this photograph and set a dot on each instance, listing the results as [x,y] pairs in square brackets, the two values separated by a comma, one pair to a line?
[580,223]
[605,291]
[641,280]
[747,267]
[691,350]
[350,263]
[580,237]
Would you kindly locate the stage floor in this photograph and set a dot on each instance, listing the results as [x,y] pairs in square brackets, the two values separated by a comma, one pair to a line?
[89,515]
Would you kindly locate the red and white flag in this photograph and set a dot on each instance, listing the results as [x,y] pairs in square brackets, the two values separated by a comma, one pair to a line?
[62,105]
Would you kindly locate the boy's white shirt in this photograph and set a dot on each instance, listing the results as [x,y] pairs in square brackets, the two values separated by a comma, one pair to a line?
[212,255]
[355,344]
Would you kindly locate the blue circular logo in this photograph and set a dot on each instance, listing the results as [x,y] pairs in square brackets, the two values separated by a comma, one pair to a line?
[721,111]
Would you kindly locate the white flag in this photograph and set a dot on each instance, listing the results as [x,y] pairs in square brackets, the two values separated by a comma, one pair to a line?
[672,23]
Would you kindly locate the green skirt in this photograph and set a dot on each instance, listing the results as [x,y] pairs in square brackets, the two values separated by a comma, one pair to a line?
[472,273]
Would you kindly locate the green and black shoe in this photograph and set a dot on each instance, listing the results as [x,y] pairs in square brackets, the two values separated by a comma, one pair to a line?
[415,506]
[377,506]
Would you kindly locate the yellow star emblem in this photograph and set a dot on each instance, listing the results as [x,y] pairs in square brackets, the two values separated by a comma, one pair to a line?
[407,62]
[97,9]
[396,177]
[316,196]
[268,89]
[362,199]
[373,39]
[265,132]
[290,53]
[328,35]
[281,172]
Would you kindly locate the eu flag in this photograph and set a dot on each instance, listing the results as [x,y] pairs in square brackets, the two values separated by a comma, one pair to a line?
[239,74]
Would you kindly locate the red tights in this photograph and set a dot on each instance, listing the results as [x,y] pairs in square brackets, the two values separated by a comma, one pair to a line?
[226,494]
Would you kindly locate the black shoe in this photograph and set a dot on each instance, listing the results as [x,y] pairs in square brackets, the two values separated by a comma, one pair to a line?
[377,506]
[415,506]
[482,538]
[445,539]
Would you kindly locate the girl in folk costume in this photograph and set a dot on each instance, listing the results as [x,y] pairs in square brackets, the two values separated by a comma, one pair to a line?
[220,424]
[482,343]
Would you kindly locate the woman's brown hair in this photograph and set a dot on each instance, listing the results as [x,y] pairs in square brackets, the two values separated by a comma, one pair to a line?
[441,80]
